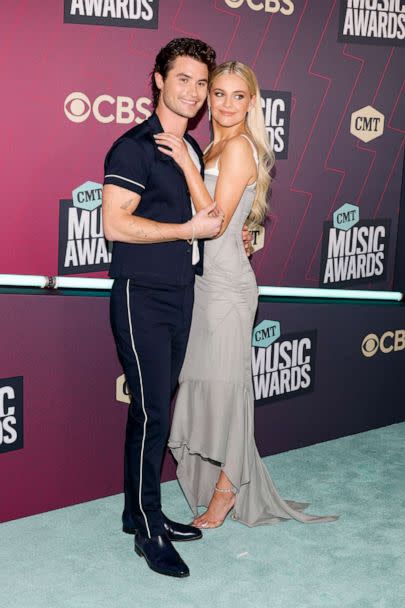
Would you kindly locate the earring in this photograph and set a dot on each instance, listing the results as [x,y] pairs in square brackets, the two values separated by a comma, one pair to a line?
[209,113]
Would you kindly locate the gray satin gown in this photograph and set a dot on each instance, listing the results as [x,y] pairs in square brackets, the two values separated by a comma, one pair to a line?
[213,424]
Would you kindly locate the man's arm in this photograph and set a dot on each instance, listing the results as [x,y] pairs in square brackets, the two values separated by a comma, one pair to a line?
[121,225]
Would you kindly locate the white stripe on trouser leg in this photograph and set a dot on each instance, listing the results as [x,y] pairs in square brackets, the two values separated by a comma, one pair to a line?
[143,408]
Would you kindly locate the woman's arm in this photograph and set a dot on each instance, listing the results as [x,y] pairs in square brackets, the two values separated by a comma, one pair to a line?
[236,169]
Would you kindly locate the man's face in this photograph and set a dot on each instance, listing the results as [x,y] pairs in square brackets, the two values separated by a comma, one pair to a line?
[185,88]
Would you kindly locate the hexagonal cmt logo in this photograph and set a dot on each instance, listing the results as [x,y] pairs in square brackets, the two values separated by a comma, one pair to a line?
[367,123]
[265,333]
[121,390]
[258,235]
[87,196]
[346,217]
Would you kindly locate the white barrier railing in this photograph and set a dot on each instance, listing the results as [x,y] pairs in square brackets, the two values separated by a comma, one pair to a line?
[24,280]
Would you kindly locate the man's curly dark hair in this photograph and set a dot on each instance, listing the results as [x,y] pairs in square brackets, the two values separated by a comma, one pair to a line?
[180,47]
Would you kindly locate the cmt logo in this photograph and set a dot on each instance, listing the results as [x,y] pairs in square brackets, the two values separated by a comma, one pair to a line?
[258,236]
[390,341]
[285,7]
[367,124]
[11,414]
[87,196]
[82,246]
[282,365]
[354,250]
[121,13]
[346,217]
[266,333]
[122,392]
[106,109]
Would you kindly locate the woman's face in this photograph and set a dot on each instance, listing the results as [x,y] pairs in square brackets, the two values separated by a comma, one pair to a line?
[230,100]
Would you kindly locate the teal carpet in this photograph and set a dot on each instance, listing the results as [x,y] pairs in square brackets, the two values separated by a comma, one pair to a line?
[78,558]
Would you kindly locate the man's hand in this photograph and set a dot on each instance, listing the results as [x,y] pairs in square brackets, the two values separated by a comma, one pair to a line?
[247,240]
[206,223]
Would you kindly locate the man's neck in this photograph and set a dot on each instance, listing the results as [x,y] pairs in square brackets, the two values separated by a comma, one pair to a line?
[171,122]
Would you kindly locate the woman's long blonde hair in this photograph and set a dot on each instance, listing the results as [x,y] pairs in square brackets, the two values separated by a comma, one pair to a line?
[256,129]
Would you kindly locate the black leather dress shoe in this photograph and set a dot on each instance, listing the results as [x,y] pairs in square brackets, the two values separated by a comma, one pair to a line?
[160,555]
[175,531]
[180,532]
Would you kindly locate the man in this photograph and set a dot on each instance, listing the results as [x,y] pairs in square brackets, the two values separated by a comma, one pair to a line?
[147,213]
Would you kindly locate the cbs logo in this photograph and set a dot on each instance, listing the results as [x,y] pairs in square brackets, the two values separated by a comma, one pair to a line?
[389,341]
[286,7]
[107,109]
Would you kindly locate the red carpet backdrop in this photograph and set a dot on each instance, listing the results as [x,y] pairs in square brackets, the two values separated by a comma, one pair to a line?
[76,75]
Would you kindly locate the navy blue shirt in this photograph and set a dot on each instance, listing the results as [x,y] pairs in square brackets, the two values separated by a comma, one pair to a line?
[134,162]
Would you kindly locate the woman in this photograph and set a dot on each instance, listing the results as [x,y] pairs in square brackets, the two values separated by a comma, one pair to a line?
[212,435]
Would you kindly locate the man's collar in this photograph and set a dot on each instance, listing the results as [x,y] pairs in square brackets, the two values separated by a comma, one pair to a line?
[156,127]
[155,124]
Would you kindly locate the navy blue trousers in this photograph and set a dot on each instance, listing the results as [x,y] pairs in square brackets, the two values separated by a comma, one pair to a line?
[151,328]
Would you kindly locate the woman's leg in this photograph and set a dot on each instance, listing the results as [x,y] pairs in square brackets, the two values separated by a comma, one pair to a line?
[222,501]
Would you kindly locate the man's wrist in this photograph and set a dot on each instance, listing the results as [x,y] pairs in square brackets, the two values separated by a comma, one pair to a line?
[186,231]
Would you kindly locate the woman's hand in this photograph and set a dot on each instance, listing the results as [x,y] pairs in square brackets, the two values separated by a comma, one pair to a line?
[176,148]
[247,240]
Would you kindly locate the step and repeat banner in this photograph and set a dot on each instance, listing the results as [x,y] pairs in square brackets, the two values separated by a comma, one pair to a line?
[76,76]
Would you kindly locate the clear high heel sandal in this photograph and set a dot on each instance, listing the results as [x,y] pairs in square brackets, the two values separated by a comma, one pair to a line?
[216,523]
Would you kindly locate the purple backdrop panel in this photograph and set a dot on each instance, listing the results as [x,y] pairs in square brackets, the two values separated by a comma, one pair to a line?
[357,358]
[59,373]
[73,427]
[88,82]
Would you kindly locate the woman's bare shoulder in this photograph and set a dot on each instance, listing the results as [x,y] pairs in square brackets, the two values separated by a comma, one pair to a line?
[240,146]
